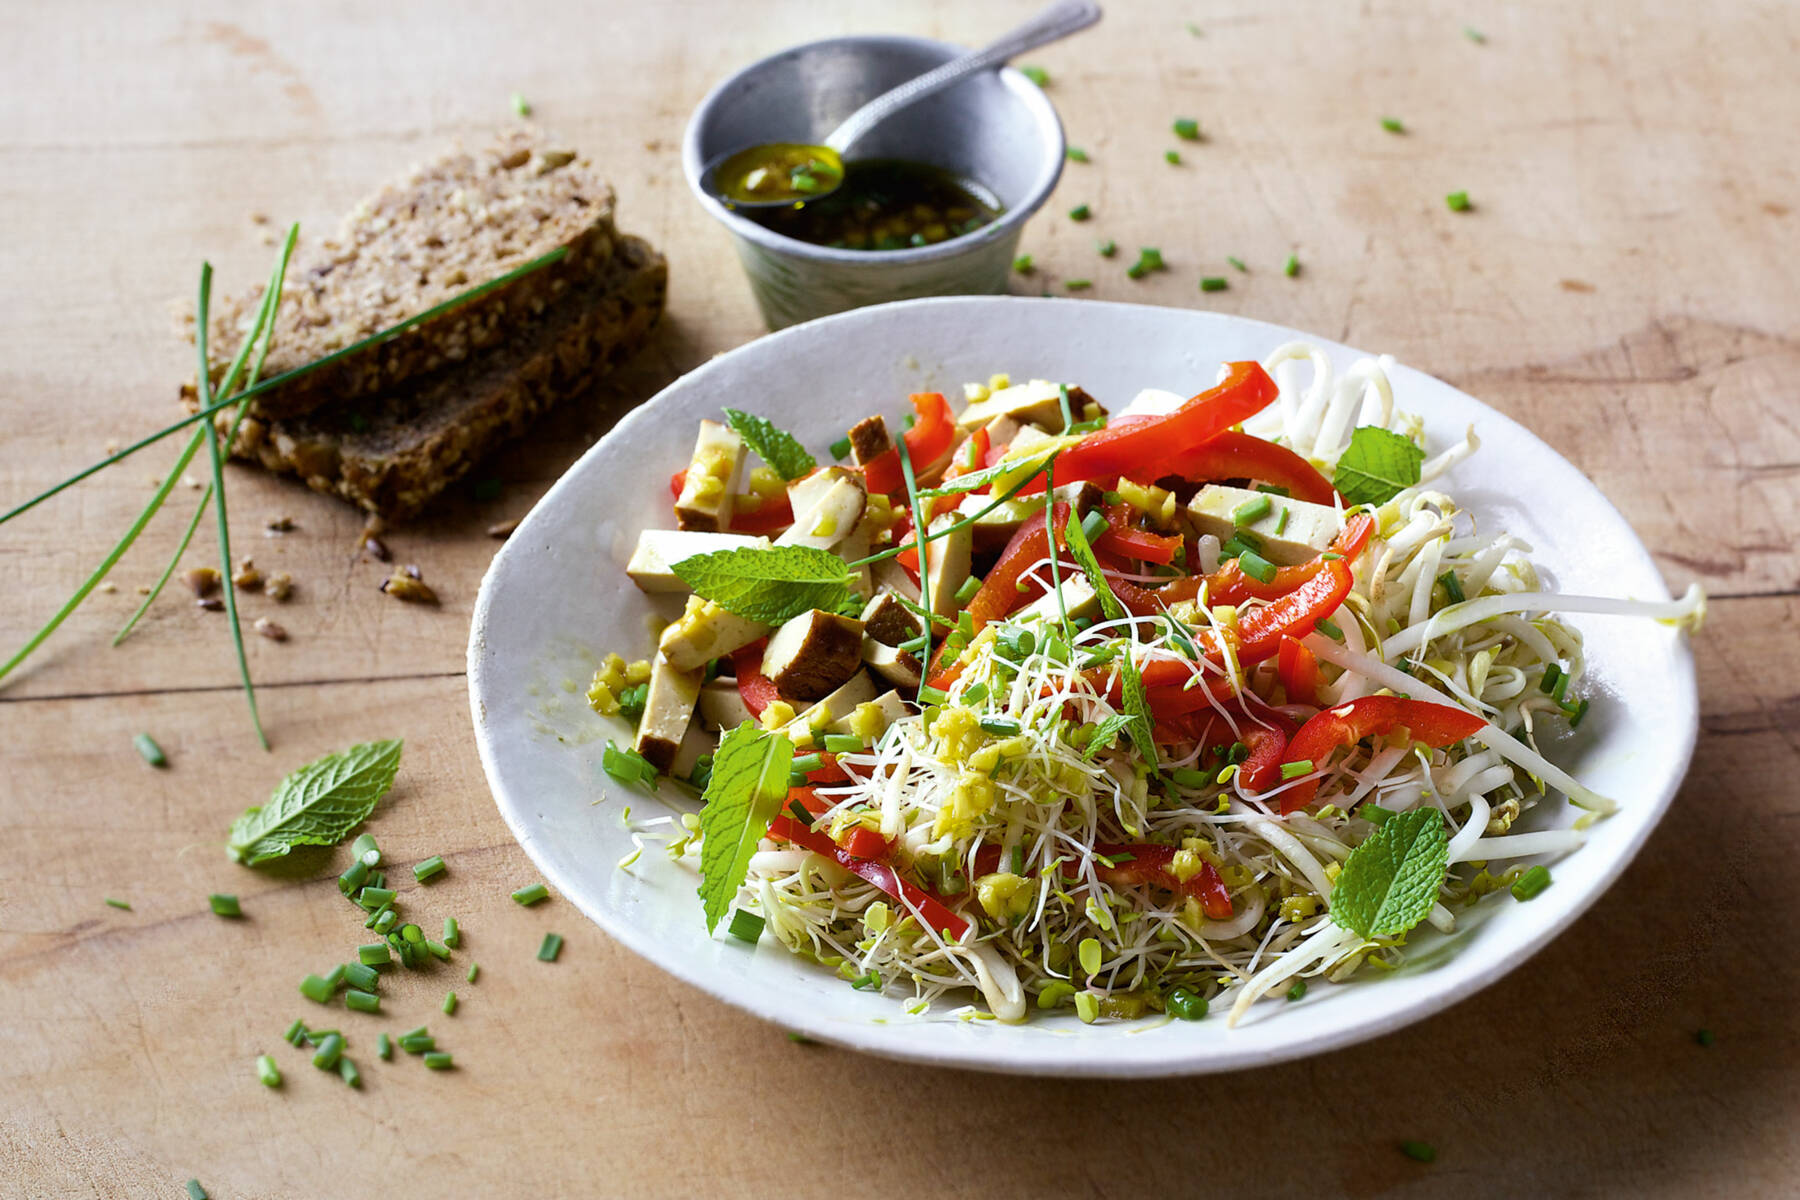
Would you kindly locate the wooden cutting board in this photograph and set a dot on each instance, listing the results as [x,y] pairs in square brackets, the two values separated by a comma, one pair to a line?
[1624,285]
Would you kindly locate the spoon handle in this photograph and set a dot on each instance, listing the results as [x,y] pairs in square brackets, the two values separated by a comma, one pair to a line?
[1057,21]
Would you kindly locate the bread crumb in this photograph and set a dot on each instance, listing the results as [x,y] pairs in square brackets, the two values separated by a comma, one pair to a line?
[270,630]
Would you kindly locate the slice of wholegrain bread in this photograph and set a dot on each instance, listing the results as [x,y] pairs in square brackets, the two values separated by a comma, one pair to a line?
[391,453]
[453,224]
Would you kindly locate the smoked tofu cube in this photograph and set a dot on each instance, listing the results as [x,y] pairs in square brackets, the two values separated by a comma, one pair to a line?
[888,621]
[1036,403]
[828,506]
[704,632]
[870,718]
[869,440]
[947,560]
[712,478]
[1078,595]
[658,550]
[890,576]
[722,706]
[892,664]
[824,716]
[812,655]
[668,708]
[1306,529]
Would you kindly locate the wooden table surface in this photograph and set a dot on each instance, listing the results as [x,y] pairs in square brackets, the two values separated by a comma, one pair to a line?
[1625,285]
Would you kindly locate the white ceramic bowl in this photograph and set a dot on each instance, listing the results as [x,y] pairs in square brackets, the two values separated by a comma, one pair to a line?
[556,596]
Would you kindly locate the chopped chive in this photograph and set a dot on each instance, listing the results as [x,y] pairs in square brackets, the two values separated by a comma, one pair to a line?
[437,950]
[1552,673]
[452,933]
[552,946]
[806,764]
[840,449]
[363,847]
[417,1043]
[224,904]
[975,693]
[1294,770]
[1022,264]
[1374,814]
[1193,29]
[385,920]
[531,894]
[1452,586]
[372,897]
[384,1047]
[847,743]
[1291,267]
[362,977]
[799,1039]
[799,811]
[449,1004]
[914,645]
[430,867]
[152,753]
[195,1191]
[267,1071]
[1561,688]
[378,880]
[1237,262]
[1106,249]
[1704,1037]
[999,726]
[1172,157]
[521,105]
[1457,201]
[364,1002]
[1093,524]
[931,695]
[328,1052]
[474,970]
[1419,1151]
[1017,862]
[1281,520]
[1214,283]
[348,1073]
[967,591]
[413,934]
[1393,125]
[1187,129]
[1189,777]
[1080,212]
[1037,75]
[353,878]
[1329,628]
[334,978]
[1475,35]
[1575,717]
[1077,285]
[1151,258]
[124,904]
[746,926]
[1076,154]
[438,1061]
[1252,510]
[315,1037]
[1297,991]
[421,1031]
[1532,883]
[374,954]
[1256,566]
[295,1032]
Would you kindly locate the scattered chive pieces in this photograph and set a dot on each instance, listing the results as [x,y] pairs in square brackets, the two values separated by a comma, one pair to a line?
[1193,29]
[372,898]
[438,1061]
[1076,154]
[1532,883]
[1187,129]
[330,1048]
[1452,586]
[384,920]
[1281,520]
[413,934]
[1457,201]
[1107,249]
[421,1031]
[1256,566]
[124,904]
[363,847]
[295,1032]
[1294,770]
[452,933]
[1076,285]
[384,1047]
[1704,1037]
[1172,157]
[195,1191]
[745,926]
[931,695]
[417,1043]
[531,895]
[224,904]
[521,105]
[1237,262]
[153,753]
[348,1073]
[474,970]
[1252,511]
[1552,673]
[373,955]
[437,950]
[430,867]
[1475,35]
[1022,264]
[1419,1151]
[1393,125]
[334,978]
[1291,268]
[964,594]
[1080,212]
[552,945]
[316,1036]
[1037,75]
[1093,525]
[353,878]
[267,1071]
[799,1039]
[806,764]
[449,1005]
[849,743]
[1297,991]
[1576,716]
[365,1002]
[1214,283]
[840,449]
[361,977]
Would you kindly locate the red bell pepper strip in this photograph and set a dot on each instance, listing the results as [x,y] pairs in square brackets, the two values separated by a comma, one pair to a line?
[1234,455]
[1149,863]
[1298,670]
[1130,444]
[928,904]
[1371,716]
[927,441]
[865,843]
[1260,630]
[775,515]
[677,481]
[1229,584]
[999,594]
[755,688]
[973,451]
[1125,539]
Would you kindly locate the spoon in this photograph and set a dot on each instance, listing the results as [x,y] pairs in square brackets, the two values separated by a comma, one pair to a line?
[781,174]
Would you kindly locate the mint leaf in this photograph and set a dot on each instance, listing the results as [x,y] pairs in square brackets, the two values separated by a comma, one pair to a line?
[1376,466]
[1106,733]
[317,805]
[749,781]
[1391,881]
[1090,566]
[777,447]
[1137,706]
[768,584]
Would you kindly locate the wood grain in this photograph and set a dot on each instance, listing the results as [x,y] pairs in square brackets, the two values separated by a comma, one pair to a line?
[1623,286]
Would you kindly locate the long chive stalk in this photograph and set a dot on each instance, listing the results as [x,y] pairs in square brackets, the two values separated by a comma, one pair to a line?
[207,410]
[218,477]
[265,328]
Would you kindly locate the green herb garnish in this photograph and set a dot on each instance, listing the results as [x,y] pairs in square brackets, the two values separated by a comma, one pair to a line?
[151,752]
[1393,125]
[1187,129]
[1076,154]
[1077,285]
[748,784]
[768,584]
[521,105]
[1532,883]
[777,447]
[317,805]
[1457,201]
[1080,212]
[1106,249]
[1291,267]
[1022,264]
[1037,75]
[1214,283]
[1376,466]
[1172,157]
[1390,881]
